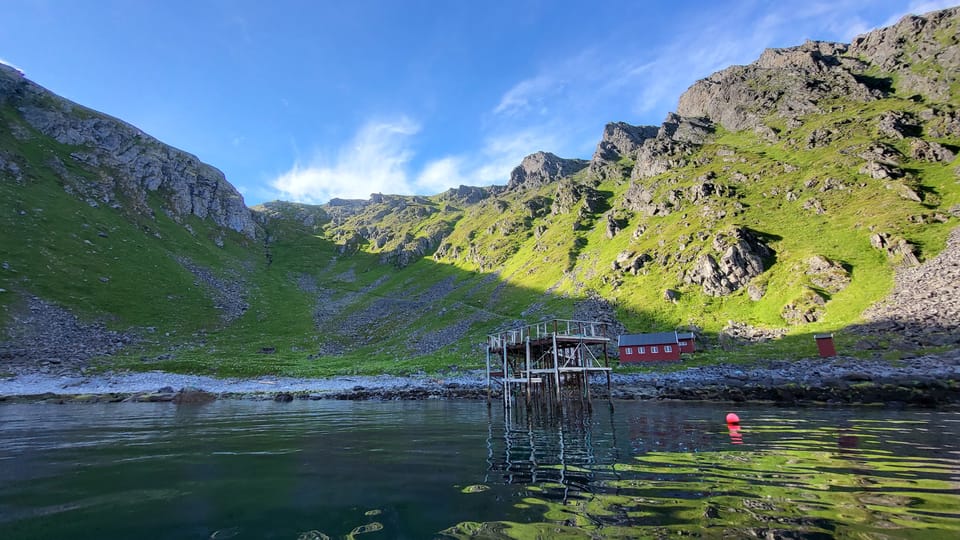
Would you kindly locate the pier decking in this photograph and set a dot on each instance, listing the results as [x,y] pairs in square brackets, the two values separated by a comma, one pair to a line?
[550,360]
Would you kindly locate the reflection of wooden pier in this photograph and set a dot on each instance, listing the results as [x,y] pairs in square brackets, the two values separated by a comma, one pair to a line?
[550,360]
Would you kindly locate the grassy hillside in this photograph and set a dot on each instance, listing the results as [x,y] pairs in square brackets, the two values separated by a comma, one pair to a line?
[405,284]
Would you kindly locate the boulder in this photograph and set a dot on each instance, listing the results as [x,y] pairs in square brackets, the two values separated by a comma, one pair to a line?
[826,274]
[742,259]
[192,395]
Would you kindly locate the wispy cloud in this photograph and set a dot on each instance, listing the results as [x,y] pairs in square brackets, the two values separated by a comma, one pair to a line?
[529,95]
[441,174]
[375,160]
[380,159]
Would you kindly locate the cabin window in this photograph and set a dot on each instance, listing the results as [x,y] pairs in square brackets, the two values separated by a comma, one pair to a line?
[683,343]
[629,350]
[654,350]
[667,348]
[641,350]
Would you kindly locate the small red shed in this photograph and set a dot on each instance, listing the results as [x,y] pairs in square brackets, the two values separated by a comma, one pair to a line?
[648,347]
[687,342]
[825,345]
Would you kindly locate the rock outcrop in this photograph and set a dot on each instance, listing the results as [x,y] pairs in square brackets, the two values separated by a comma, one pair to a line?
[742,259]
[620,140]
[543,168]
[788,82]
[140,165]
[922,53]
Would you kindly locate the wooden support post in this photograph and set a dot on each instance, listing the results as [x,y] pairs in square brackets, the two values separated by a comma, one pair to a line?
[529,375]
[488,374]
[556,364]
[506,379]
[606,359]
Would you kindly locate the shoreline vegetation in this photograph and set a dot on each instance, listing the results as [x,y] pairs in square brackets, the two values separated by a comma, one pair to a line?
[928,380]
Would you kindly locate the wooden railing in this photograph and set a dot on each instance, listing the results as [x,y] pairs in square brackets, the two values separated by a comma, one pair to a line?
[562,328]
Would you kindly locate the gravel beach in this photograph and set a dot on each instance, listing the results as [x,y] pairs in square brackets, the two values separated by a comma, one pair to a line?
[931,380]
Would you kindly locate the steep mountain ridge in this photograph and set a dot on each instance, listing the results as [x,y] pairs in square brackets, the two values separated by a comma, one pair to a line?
[779,199]
[131,164]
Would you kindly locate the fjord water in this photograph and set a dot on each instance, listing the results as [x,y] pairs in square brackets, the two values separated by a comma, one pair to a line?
[246,469]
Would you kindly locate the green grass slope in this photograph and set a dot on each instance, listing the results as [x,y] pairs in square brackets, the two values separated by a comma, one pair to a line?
[403,284]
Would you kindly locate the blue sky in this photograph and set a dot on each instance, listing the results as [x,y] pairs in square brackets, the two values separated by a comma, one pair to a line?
[308,100]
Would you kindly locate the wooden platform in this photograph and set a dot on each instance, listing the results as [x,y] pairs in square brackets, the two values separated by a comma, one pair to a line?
[549,360]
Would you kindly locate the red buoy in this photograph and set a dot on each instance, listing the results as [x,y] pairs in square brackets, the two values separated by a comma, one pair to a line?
[732,418]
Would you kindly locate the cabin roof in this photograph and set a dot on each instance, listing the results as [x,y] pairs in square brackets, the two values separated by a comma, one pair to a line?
[658,338]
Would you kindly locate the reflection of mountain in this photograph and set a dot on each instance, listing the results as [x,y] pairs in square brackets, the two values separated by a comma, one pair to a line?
[815,473]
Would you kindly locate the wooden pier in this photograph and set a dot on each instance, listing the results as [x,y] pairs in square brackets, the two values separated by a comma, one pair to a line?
[549,361]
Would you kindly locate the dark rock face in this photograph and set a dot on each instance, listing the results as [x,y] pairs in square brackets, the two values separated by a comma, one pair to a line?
[543,168]
[908,48]
[619,140]
[742,259]
[569,194]
[142,164]
[466,194]
[676,140]
[415,248]
[794,81]
[789,82]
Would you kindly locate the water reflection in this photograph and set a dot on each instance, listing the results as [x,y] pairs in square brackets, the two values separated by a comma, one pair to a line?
[409,470]
[552,447]
[678,470]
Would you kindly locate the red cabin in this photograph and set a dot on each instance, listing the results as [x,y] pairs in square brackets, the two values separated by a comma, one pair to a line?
[687,342]
[649,347]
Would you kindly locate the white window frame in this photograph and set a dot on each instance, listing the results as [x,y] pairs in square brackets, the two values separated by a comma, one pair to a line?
[629,350]
[641,350]
[667,348]
[654,350]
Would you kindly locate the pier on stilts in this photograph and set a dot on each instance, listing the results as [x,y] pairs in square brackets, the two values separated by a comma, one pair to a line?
[548,362]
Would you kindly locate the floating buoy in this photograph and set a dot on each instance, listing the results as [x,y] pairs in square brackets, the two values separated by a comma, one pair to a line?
[732,418]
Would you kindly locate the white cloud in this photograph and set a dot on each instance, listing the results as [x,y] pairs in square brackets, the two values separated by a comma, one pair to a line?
[527,95]
[490,165]
[379,159]
[442,174]
[374,161]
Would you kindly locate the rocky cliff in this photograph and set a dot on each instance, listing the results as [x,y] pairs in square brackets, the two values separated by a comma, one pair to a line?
[920,55]
[131,166]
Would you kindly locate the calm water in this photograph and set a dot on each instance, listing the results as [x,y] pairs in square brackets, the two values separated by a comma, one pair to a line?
[310,470]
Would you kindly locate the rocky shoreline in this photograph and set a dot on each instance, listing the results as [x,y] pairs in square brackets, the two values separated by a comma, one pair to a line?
[930,381]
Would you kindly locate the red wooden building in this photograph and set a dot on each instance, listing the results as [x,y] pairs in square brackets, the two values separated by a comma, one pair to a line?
[687,342]
[649,347]
[825,345]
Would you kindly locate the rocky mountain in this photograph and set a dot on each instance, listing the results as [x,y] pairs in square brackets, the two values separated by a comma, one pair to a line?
[131,165]
[783,198]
